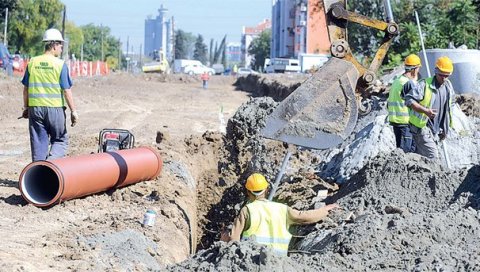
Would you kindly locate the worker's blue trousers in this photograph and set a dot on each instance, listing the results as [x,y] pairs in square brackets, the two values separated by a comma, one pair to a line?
[47,127]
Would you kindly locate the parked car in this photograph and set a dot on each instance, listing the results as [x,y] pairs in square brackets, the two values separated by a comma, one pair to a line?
[243,71]
[198,69]
[5,59]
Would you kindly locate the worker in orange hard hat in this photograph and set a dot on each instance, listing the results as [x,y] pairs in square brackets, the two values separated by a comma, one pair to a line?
[398,115]
[431,105]
[267,222]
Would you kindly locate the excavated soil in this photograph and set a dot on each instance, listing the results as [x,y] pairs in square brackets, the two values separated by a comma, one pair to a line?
[399,211]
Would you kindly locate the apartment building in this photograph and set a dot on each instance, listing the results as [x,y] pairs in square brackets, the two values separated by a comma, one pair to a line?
[248,35]
[298,27]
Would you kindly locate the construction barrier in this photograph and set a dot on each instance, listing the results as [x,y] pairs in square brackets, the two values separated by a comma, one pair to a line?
[76,68]
[87,68]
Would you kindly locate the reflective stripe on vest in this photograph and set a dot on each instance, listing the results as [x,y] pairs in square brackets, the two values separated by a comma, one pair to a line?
[268,225]
[397,111]
[43,83]
[420,119]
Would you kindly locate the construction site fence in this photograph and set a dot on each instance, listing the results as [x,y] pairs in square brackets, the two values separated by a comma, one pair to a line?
[87,68]
[76,68]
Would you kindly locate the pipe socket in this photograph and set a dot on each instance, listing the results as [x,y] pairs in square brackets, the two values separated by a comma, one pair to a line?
[45,183]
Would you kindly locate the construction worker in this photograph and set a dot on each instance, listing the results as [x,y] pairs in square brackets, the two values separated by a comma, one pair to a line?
[267,222]
[47,86]
[205,77]
[431,105]
[397,111]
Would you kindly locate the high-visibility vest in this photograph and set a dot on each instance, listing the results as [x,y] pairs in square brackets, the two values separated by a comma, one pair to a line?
[44,82]
[268,225]
[397,111]
[420,119]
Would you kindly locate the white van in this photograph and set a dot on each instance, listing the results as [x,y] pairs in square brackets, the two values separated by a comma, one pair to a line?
[280,65]
[179,64]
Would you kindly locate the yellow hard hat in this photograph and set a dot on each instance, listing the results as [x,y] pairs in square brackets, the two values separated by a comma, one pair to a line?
[256,182]
[413,60]
[444,65]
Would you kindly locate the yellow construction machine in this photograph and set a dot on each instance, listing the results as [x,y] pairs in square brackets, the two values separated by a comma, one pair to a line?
[159,64]
[323,111]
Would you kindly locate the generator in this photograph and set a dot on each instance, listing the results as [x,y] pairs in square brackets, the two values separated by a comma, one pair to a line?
[111,139]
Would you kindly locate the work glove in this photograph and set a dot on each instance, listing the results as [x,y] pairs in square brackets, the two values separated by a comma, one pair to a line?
[74,118]
[25,113]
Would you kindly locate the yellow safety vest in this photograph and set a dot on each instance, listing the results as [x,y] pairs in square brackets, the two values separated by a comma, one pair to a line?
[397,111]
[420,119]
[44,82]
[268,225]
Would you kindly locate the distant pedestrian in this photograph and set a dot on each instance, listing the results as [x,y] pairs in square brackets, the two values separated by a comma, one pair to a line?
[205,77]
[431,105]
[234,70]
[47,88]
[398,115]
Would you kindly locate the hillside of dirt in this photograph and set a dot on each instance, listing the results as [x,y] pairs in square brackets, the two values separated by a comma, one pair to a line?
[398,211]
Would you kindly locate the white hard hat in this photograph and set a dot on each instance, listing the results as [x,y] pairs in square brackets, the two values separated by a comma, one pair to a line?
[52,34]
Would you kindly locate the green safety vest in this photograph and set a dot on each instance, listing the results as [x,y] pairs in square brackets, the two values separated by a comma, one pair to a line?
[397,111]
[268,225]
[44,82]
[420,119]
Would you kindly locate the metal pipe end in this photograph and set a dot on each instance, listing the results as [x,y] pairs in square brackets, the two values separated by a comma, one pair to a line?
[41,183]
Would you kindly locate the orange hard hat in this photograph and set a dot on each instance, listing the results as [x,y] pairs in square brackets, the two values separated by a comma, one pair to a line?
[444,65]
[256,183]
[412,60]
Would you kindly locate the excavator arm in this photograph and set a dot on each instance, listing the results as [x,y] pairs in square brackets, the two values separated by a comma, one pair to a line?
[323,111]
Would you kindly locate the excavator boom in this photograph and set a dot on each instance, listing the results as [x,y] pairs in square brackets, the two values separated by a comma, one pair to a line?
[323,111]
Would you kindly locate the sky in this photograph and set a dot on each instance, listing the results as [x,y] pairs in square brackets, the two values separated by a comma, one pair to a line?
[213,19]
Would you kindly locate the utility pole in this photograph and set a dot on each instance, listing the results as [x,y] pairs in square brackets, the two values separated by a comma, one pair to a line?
[127,58]
[119,55]
[5,30]
[140,56]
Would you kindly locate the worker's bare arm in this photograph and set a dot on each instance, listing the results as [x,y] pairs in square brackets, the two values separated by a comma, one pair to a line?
[309,217]
[238,227]
[69,99]
[421,109]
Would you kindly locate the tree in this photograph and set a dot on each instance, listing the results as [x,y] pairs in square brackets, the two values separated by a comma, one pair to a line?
[183,44]
[200,51]
[29,21]
[75,38]
[260,48]
[98,39]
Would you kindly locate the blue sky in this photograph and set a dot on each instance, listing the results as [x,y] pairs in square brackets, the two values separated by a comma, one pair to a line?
[211,18]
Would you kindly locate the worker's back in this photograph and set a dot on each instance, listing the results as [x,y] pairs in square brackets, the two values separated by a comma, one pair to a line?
[268,225]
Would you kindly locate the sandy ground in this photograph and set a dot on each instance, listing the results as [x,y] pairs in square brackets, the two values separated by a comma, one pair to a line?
[83,234]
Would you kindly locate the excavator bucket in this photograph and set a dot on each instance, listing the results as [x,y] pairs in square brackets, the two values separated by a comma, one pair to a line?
[320,113]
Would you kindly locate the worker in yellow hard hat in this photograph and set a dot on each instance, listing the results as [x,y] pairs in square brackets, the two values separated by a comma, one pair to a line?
[398,115]
[267,222]
[431,105]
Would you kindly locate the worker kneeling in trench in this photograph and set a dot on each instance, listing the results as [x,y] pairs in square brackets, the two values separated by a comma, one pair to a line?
[267,222]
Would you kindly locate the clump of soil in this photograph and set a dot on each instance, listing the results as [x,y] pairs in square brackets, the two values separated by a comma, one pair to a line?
[469,103]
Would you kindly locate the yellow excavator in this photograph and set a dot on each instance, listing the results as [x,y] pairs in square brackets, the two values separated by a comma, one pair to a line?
[159,64]
[323,110]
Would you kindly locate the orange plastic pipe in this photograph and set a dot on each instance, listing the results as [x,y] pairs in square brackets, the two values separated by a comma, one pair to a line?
[45,183]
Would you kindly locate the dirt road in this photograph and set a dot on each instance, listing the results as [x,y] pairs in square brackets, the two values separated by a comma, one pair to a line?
[86,233]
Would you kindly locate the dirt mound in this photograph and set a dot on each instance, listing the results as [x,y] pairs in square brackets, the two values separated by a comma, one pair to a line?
[409,214]
[469,103]
[276,86]
[236,256]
